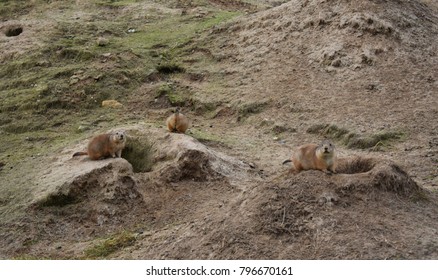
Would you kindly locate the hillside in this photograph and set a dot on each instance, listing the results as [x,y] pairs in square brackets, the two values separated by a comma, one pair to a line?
[256,78]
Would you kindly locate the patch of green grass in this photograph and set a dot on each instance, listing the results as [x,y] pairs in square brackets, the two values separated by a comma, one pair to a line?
[207,137]
[203,136]
[176,99]
[175,95]
[11,7]
[206,108]
[172,31]
[115,3]
[110,245]
[24,126]
[377,141]
[332,131]
[247,109]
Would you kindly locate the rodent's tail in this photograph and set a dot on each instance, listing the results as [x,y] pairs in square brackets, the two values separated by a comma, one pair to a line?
[286,161]
[80,154]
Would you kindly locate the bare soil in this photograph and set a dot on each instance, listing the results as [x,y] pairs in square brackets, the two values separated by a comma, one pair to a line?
[261,84]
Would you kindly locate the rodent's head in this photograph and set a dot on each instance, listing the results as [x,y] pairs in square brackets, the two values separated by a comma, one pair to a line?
[119,136]
[326,147]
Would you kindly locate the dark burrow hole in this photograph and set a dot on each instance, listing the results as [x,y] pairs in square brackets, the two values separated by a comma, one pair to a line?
[355,165]
[14,31]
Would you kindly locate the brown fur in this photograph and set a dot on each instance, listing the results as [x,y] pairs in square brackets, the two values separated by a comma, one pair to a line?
[177,122]
[104,146]
[319,157]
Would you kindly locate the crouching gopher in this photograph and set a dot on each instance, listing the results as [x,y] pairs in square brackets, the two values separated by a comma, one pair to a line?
[105,145]
[318,157]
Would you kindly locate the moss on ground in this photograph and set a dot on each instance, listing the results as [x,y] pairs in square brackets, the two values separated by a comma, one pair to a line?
[247,109]
[110,245]
[377,141]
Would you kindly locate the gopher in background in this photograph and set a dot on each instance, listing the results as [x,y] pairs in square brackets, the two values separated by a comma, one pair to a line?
[177,122]
[105,145]
[311,156]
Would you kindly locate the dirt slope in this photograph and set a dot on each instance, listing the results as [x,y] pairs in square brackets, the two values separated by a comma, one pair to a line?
[362,73]
[367,67]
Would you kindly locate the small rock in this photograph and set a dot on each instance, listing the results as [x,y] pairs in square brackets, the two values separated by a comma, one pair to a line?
[83,128]
[43,63]
[336,63]
[102,42]
[74,80]
[111,104]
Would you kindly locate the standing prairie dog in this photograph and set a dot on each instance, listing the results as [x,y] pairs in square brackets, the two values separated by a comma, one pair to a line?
[105,145]
[311,156]
[177,122]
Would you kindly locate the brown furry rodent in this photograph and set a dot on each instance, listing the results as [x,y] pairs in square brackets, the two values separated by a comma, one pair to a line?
[105,145]
[311,156]
[177,122]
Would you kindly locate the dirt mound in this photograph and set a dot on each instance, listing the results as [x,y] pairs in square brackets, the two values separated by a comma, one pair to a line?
[312,215]
[372,173]
[367,177]
[79,199]
[350,34]
[76,200]
[195,161]
[341,216]
[355,55]
[72,179]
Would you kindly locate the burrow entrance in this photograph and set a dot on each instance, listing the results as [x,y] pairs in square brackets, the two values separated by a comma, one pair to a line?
[13,31]
[355,165]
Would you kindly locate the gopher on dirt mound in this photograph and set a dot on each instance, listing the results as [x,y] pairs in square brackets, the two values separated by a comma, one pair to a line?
[311,156]
[105,145]
[177,122]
